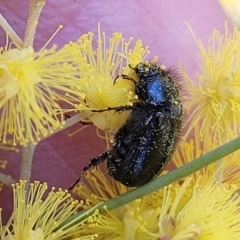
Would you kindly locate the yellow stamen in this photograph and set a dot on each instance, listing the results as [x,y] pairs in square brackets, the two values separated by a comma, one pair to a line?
[32,84]
[37,215]
[98,70]
[188,210]
[192,149]
[213,102]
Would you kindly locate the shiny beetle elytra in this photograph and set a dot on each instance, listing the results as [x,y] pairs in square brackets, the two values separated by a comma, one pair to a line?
[145,143]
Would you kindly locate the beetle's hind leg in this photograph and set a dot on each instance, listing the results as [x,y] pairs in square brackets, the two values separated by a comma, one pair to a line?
[94,162]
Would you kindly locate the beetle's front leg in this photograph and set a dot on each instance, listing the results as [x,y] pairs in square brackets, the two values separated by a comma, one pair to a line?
[126,77]
[117,109]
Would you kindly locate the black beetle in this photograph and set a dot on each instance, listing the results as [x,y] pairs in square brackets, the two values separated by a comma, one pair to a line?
[145,143]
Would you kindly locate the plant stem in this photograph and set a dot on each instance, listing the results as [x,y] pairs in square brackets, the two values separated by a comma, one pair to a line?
[26,165]
[10,32]
[28,151]
[220,162]
[35,8]
[70,121]
[166,179]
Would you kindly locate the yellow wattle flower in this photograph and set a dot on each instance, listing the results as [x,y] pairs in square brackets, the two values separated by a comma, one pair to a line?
[98,68]
[31,87]
[232,10]
[191,149]
[131,221]
[213,103]
[183,211]
[211,212]
[37,215]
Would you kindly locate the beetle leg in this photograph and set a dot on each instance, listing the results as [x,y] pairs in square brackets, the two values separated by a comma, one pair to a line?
[94,162]
[133,68]
[117,109]
[115,79]
[126,77]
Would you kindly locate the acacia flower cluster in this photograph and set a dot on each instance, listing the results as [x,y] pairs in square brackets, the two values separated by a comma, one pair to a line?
[35,84]
[36,216]
[193,148]
[101,85]
[213,102]
[192,209]
[32,86]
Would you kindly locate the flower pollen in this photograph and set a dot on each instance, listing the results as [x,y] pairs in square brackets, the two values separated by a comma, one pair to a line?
[31,87]
[191,149]
[37,217]
[136,220]
[101,84]
[213,102]
[188,210]
[211,212]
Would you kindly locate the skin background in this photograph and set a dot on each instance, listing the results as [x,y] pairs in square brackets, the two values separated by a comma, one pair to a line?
[160,24]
